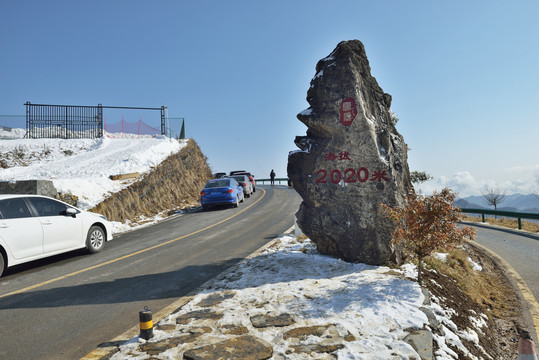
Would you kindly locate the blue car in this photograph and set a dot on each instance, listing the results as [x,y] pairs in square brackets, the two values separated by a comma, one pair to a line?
[221,192]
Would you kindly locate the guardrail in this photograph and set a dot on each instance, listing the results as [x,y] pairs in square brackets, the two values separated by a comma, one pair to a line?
[516,214]
[276,180]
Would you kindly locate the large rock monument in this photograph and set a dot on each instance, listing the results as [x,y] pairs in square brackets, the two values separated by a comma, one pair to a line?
[351,160]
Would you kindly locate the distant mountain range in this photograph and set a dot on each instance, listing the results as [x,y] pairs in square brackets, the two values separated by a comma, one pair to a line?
[513,202]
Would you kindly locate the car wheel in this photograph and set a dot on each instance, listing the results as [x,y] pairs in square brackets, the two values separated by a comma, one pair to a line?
[95,241]
[205,207]
[237,203]
[2,264]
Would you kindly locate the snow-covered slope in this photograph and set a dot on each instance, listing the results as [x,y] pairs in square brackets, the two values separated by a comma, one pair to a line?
[81,166]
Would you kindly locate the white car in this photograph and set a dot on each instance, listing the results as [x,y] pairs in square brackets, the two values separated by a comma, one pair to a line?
[33,227]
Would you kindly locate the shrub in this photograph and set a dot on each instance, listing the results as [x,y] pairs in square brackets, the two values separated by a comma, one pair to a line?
[428,223]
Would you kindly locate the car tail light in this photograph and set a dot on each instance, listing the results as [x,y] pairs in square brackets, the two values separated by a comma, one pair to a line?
[202,193]
[230,191]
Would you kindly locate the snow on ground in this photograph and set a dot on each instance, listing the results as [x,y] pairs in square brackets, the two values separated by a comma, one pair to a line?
[82,166]
[376,304]
[366,300]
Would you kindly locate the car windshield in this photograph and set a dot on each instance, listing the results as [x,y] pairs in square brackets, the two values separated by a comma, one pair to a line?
[218,183]
[239,178]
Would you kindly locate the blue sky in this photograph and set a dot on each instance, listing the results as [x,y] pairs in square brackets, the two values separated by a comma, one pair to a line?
[463,74]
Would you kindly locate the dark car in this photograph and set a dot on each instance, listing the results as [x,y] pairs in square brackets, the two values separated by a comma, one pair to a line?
[225,191]
[245,183]
[219,175]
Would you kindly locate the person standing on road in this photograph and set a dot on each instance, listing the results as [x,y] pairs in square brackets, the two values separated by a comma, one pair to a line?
[272,177]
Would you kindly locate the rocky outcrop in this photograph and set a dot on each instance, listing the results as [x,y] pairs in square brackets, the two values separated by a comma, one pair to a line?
[245,347]
[206,335]
[351,160]
[33,187]
[36,187]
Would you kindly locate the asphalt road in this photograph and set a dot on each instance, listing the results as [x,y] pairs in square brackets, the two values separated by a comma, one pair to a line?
[520,250]
[64,307]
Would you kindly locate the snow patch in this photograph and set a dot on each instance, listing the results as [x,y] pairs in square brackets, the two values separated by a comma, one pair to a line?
[306,112]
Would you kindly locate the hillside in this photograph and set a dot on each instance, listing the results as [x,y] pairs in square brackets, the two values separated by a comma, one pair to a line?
[173,184]
[83,167]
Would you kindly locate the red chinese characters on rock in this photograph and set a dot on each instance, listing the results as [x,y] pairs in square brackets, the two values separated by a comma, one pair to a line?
[343,155]
[350,175]
[348,111]
[380,175]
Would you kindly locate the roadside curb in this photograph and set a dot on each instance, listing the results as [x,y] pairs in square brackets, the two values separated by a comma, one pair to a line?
[527,298]
[106,350]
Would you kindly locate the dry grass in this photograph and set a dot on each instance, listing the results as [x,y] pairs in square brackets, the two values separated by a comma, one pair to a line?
[302,238]
[511,223]
[172,185]
[483,287]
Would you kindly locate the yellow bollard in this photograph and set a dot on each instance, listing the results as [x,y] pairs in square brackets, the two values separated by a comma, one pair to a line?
[146,323]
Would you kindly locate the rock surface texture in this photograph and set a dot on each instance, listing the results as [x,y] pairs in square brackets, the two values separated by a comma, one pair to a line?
[351,160]
[206,335]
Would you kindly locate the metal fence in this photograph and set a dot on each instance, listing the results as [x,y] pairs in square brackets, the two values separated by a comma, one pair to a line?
[72,121]
[63,121]
[276,180]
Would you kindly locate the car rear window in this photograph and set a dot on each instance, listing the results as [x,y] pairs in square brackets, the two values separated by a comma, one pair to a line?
[218,183]
[14,209]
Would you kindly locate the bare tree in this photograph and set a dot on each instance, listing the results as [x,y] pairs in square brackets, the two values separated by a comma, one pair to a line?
[493,196]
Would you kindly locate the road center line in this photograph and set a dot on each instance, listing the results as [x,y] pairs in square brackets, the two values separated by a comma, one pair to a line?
[35,286]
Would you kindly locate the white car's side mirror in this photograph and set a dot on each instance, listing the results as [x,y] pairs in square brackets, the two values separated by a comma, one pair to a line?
[71,212]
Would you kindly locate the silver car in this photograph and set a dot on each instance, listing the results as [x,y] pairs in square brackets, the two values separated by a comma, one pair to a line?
[33,227]
[245,183]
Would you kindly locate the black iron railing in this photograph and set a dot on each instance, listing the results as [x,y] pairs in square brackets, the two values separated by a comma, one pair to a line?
[72,121]
[63,121]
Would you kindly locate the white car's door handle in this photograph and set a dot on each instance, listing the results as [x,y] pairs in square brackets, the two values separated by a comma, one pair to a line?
[46,222]
[3,225]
